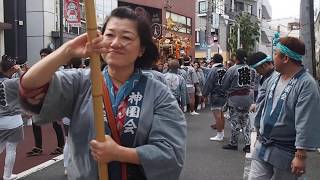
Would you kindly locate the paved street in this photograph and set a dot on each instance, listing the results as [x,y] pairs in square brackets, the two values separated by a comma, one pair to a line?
[205,160]
[23,162]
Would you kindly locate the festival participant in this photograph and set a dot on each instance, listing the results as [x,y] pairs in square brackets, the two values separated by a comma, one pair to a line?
[263,65]
[218,97]
[199,86]
[37,132]
[192,81]
[288,124]
[237,83]
[153,74]
[148,119]
[66,124]
[229,63]
[11,124]
[176,83]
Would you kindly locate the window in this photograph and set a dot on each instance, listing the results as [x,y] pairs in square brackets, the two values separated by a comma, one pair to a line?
[239,6]
[202,7]
[82,12]
[183,23]
[218,6]
[75,30]
[197,38]
[293,26]
[232,6]
[249,9]
[188,21]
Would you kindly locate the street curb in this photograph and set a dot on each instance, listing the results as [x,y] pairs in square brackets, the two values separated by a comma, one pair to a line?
[40,166]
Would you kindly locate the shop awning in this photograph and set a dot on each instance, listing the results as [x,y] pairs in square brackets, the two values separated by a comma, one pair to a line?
[203,54]
[200,54]
[5,25]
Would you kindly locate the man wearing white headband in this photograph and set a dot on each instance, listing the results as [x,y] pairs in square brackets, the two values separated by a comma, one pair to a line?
[288,116]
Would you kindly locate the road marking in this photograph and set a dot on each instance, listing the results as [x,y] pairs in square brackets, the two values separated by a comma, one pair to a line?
[40,166]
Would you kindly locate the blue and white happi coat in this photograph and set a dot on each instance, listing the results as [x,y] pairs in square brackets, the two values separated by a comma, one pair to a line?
[292,124]
[154,119]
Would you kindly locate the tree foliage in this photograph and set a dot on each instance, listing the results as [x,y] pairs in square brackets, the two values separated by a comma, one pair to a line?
[249,33]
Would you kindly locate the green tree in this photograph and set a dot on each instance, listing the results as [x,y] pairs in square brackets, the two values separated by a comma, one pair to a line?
[249,33]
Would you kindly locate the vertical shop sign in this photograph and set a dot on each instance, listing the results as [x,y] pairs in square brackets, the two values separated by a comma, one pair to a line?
[72,12]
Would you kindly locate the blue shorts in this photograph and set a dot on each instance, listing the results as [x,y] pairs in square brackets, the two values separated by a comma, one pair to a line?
[217,102]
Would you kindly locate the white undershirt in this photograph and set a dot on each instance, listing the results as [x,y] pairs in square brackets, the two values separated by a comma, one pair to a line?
[278,91]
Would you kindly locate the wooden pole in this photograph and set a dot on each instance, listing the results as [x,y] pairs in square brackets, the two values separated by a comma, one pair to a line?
[96,79]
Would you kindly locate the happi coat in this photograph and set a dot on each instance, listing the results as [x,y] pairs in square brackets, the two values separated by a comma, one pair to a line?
[10,111]
[293,125]
[213,84]
[177,85]
[159,135]
[237,83]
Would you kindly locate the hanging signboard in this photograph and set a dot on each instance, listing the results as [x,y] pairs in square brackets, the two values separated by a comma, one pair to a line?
[72,12]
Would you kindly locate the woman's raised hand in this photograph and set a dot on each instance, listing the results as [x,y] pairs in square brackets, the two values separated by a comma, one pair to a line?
[80,47]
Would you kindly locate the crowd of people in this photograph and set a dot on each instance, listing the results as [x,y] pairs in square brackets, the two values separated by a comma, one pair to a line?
[146,128]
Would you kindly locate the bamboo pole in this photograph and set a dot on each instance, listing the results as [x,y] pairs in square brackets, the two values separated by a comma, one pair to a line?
[96,79]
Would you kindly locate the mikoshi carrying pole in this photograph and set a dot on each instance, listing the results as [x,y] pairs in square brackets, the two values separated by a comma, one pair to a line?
[96,79]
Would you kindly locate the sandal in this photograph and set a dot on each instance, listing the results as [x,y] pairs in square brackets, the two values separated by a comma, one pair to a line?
[57,151]
[35,151]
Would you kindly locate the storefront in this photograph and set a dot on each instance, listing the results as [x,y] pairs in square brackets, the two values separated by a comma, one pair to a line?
[175,40]
[172,32]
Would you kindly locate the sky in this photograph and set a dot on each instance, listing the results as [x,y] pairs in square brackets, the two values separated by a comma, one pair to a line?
[285,8]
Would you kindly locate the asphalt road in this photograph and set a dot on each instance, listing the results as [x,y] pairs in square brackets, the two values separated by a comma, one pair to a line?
[24,162]
[205,160]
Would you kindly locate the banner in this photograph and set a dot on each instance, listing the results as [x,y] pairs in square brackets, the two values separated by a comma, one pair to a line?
[72,12]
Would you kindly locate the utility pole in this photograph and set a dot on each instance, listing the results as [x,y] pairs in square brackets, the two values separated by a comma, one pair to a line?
[307,34]
[238,36]
[313,41]
[235,23]
[208,29]
[16,29]
[61,22]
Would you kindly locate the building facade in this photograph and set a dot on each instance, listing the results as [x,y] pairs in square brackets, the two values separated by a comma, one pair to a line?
[286,26]
[3,26]
[39,27]
[172,24]
[261,11]
[43,29]
[224,13]
[13,29]
[266,32]
[218,36]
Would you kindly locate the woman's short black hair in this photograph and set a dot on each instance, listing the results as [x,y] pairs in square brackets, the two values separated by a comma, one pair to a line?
[217,58]
[255,58]
[7,62]
[151,53]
